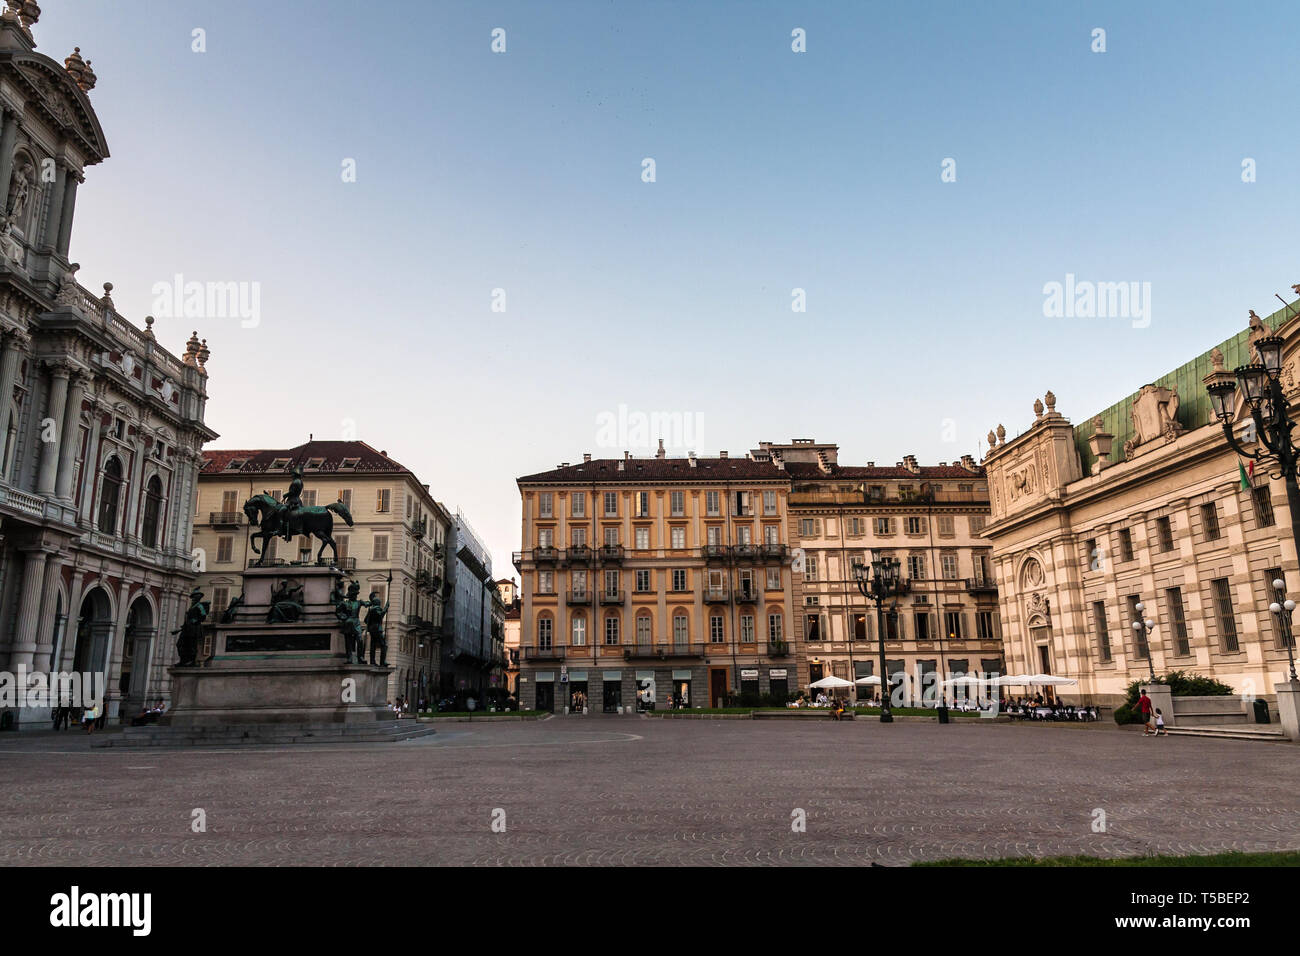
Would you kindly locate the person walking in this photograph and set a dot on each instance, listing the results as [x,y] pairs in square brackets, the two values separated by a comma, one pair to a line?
[1148,714]
[1160,724]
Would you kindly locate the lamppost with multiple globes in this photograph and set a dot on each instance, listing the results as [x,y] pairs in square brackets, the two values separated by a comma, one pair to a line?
[1282,607]
[1261,388]
[1141,625]
[879,581]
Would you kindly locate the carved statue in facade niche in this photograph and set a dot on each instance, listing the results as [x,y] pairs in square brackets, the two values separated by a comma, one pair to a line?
[10,247]
[20,188]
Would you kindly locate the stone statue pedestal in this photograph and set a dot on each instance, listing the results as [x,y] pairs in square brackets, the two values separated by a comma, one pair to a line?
[282,682]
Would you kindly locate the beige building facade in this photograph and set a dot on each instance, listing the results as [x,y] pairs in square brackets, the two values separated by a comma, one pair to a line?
[1143,502]
[928,517]
[398,528]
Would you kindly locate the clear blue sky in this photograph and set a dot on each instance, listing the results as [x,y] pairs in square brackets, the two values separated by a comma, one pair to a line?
[775,170]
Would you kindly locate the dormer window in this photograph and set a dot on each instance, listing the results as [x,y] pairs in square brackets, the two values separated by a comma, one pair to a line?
[236,464]
[280,464]
[314,464]
[349,464]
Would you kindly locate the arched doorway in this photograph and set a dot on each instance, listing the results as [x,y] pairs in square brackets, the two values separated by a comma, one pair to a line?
[94,629]
[137,650]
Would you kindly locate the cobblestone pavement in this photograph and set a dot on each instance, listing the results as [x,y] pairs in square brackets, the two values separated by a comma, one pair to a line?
[629,790]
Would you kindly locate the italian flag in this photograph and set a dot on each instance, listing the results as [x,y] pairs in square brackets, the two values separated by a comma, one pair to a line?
[1247,474]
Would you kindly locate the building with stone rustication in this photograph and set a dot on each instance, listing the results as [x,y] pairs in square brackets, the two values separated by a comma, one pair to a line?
[1144,502]
[398,529]
[928,517]
[100,426]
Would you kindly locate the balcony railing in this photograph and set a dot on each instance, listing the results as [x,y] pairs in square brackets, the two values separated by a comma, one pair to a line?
[611,552]
[220,518]
[662,652]
[716,596]
[547,555]
[715,552]
[578,554]
[744,552]
[578,597]
[774,552]
[747,596]
[543,653]
[613,597]
[778,648]
[981,583]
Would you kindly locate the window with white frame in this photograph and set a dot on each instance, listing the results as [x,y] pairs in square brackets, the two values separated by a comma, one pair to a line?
[611,631]
[643,539]
[679,579]
[579,632]
[712,503]
[747,629]
[544,505]
[948,561]
[678,537]
[716,633]
[611,504]
[578,504]
[775,628]
[769,502]
[677,503]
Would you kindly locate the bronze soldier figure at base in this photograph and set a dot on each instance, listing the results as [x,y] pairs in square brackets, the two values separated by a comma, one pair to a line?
[375,626]
[191,631]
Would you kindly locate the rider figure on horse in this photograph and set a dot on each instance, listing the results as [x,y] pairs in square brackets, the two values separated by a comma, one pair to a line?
[292,501]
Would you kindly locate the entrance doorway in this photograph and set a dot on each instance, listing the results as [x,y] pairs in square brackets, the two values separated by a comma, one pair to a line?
[577,696]
[613,696]
[545,696]
[816,671]
[681,693]
[717,687]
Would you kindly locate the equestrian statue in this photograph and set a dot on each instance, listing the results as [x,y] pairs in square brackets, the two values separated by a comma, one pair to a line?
[290,517]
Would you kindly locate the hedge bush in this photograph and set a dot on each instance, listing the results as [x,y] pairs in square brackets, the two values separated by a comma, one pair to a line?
[1180,684]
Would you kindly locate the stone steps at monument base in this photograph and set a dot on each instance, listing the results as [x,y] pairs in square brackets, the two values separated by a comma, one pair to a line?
[234,735]
[1232,732]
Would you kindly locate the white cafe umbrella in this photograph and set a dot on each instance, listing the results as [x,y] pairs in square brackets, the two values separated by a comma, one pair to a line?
[1049,681]
[863,681]
[832,682]
[966,680]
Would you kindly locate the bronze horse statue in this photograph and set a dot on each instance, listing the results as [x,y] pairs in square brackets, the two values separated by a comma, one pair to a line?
[270,517]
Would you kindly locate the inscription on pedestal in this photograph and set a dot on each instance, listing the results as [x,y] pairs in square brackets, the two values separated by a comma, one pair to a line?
[264,643]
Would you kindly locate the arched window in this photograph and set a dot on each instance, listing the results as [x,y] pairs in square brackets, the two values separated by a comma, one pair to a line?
[110,493]
[152,512]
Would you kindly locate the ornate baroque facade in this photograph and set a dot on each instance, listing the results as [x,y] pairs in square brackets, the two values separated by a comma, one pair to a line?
[1144,502]
[100,426]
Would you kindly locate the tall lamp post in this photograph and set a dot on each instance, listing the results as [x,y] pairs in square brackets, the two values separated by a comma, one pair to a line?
[1269,411]
[1145,624]
[879,582]
[1282,607]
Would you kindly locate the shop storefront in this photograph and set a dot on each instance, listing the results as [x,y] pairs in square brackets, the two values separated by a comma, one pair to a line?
[612,697]
[544,681]
[681,688]
[777,683]
[749,681]
[646,691]
[578,700]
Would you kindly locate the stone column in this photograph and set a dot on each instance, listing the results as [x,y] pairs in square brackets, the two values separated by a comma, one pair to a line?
[8,136]
[50,235]
[114,655]
[59,375]
[29,609]
[74,612]
[46,619]
[70,437]
[15,344]
[90,466]
[134,491]
[65,221]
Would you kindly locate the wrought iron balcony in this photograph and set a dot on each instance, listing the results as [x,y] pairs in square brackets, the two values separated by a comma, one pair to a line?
[611,552]
[546,555]
[543,653]
[774,552]
[225,518]
[778,648]
[578,554]
[613,597]
[747,596]
[716,596]
[982,585]
[744,552]
[715,553]
[578,597]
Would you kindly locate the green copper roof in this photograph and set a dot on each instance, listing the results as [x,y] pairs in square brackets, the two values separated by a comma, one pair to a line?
[1193,402]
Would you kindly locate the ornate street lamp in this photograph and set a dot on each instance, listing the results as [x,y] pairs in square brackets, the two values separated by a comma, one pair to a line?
[1283,607]
[879,582]
[1139,626]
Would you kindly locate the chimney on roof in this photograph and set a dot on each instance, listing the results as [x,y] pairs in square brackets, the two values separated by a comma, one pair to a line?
[690,456]
[909,462]
[943,464]
[871,464]
[968,463]
[622,464]
[384,453]
[564,464]
[660,453]
[627,456]
[722,455]
[586,457]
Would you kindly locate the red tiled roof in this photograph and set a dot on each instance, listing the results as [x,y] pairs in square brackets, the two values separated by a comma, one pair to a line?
[642,470]
[215,461]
